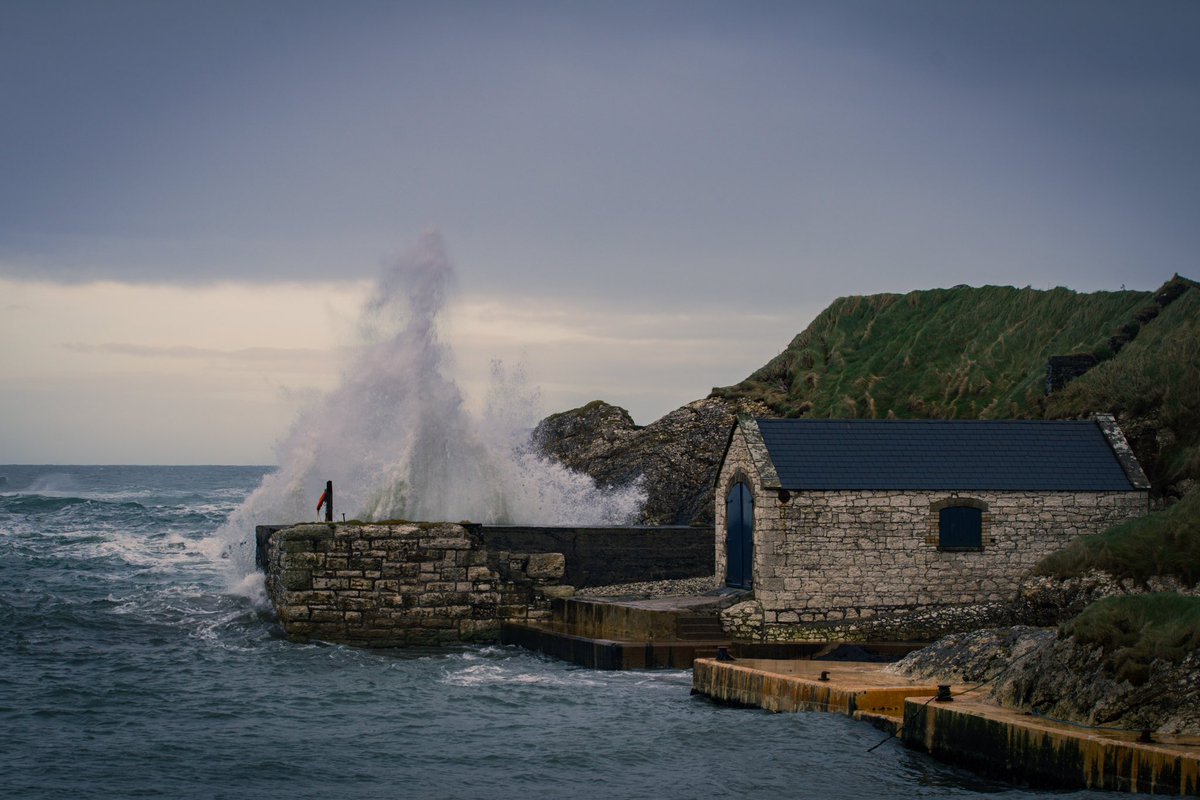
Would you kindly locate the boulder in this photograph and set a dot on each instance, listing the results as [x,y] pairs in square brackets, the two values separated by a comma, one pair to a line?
[676,457]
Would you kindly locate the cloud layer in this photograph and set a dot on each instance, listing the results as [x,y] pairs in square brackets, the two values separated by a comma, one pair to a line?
[642,200]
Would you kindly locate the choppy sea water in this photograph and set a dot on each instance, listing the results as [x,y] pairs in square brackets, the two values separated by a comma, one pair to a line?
[134,662]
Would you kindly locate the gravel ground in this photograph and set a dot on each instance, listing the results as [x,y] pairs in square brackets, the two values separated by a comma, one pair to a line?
[652,588]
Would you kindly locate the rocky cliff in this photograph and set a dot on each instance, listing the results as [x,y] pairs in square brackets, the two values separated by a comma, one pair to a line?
[676,457]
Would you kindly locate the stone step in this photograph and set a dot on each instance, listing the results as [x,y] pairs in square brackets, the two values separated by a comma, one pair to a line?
[699,627]
[566,644]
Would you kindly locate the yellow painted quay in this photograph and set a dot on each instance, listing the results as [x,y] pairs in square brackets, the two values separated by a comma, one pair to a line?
[966,730]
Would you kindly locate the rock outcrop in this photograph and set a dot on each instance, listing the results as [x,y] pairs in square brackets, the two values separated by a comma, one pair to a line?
[676,457]
[1045,600]
[1044,673]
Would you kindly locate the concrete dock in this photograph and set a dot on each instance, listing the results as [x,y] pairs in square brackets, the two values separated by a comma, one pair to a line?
[626,633]
[850,688]
[968,730]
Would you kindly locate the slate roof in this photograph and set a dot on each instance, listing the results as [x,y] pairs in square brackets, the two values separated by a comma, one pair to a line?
[963,455]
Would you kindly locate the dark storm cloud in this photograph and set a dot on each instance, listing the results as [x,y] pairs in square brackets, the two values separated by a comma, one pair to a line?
[607,149]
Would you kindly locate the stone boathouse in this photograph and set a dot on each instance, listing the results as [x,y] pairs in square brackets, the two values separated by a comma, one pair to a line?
[852,530]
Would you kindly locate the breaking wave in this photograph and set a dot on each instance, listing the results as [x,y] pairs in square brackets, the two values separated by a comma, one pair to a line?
[397,441]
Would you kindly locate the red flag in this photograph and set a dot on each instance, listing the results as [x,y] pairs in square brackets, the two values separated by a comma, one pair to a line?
[321,502]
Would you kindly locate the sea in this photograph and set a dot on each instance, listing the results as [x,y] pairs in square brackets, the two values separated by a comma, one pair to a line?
[139,658]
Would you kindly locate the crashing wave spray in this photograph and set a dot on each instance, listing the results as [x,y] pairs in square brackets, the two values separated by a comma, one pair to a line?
[398,443]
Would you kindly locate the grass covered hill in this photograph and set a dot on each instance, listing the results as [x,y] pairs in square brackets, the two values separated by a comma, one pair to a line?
[982,353]
[960,353]
[1152,386]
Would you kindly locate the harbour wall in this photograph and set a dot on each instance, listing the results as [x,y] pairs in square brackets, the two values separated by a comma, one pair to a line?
[394,584]
[1007,745]
[962,727]
[603,556]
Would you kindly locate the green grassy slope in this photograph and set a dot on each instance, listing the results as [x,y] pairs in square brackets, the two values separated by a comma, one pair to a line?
[1153,387]
[981,353]
[943,353]
[1135,631]
[1166,542]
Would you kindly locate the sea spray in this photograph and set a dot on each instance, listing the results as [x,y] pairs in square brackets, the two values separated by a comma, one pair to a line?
[397,441]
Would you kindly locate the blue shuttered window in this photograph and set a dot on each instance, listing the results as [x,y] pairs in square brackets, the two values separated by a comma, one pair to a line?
[960,528]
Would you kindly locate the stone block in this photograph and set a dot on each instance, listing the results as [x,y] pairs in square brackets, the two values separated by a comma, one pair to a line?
[549,566]
[480,573]
[447,543]
[293,613]
[296,580]
[477,629]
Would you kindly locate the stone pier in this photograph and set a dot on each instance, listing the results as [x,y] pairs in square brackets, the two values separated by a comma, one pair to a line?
[402,583]
[386,585]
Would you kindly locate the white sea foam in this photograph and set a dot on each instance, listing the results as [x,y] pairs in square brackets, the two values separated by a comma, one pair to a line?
[500,675]
[253,587]
[398,442]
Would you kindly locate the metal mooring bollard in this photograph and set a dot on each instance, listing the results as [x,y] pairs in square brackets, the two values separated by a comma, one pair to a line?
[723,654]
[824,675]
[943,694]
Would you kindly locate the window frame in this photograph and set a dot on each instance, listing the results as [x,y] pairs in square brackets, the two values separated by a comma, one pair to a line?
[934,535]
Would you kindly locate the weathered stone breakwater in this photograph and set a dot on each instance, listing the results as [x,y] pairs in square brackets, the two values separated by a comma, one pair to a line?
[394,584]
[403,584]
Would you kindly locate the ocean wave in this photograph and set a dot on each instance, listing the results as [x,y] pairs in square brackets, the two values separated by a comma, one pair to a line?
[51,504]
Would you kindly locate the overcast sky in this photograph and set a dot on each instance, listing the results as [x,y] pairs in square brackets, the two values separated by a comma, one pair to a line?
[642,200]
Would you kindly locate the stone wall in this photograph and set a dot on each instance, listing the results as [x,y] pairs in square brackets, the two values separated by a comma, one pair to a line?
[604,556]
[403,584]
[858,565]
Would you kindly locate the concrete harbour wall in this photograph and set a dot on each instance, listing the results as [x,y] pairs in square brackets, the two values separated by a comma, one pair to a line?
[1029,751]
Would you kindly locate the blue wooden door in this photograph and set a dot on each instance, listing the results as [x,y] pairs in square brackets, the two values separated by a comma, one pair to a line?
[739,536]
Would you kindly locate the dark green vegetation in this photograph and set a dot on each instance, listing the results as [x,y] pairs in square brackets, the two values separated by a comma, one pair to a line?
[1166,542]
[1135,630]
[942,353]
[1153,387]
[967,353]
